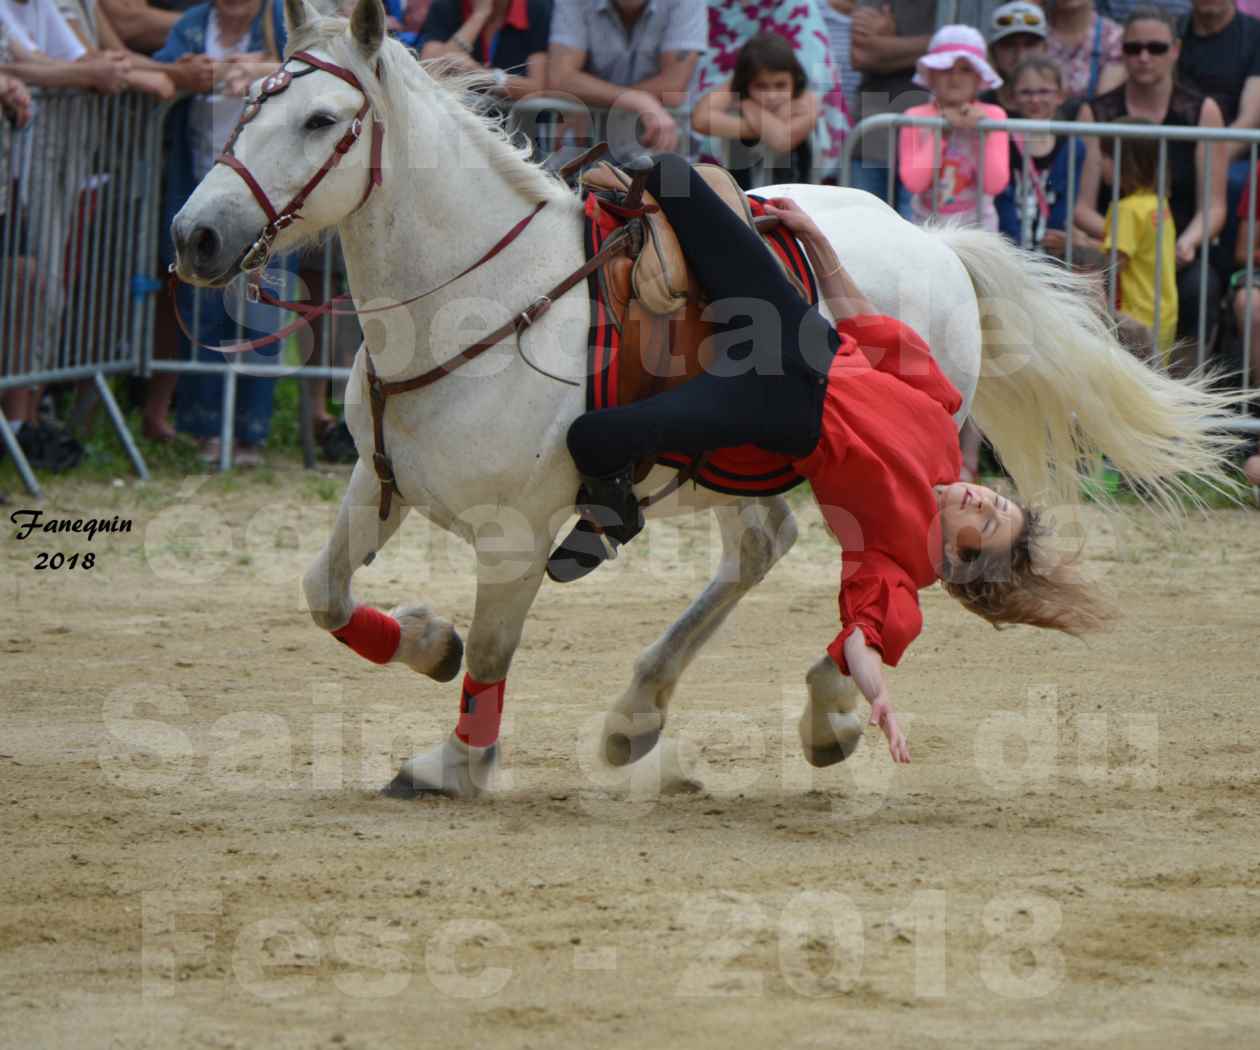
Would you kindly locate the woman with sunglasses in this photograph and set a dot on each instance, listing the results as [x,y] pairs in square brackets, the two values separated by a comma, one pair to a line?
[1151,50]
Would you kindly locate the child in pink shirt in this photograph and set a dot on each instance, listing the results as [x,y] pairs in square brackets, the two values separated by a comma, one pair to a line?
[955,70]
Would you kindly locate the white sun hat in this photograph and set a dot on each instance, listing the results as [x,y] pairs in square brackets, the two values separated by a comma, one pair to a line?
[948,45]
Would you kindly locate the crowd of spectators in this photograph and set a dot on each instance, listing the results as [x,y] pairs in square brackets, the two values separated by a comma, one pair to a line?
[770,87]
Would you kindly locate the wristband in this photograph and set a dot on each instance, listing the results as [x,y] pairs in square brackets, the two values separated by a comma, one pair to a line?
[500,80]
[462,44]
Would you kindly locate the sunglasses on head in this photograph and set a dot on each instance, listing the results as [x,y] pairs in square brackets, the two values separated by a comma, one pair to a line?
[1025,18]
[1155,47]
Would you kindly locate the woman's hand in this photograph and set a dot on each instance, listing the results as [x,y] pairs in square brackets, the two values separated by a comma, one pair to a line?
[106,71]
[1054,242]
[869,22]
[193,72]
[1187,249]
[882,715]
[15,100]
[794,218]
[237,77]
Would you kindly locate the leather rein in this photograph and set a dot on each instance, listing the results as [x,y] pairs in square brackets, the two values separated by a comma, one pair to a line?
[255,260]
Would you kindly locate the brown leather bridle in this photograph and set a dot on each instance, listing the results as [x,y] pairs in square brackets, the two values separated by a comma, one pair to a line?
[256,258]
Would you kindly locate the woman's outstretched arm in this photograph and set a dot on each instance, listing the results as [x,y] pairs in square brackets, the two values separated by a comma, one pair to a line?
[867,668]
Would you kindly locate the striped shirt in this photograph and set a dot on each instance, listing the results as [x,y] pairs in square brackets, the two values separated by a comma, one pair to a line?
[840,29]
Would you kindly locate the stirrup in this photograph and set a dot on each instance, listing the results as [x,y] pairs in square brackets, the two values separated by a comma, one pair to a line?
[610,504]
[583,551]
[610,516]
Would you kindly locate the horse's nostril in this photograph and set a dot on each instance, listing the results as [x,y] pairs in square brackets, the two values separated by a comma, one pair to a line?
[205,244]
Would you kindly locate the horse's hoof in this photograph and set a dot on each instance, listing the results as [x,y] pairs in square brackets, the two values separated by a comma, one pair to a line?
[822,757]
[402,787]
[450,770]
[846,731]
[622,749]
[428,644]
[452,661]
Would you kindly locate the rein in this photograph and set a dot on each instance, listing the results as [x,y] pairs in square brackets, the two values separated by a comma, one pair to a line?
[255,260]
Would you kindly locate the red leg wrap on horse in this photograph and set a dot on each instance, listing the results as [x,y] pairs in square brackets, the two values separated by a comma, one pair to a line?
[480,711]
[372,634]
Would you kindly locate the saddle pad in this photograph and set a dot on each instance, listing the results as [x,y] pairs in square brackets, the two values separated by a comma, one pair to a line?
[743,471]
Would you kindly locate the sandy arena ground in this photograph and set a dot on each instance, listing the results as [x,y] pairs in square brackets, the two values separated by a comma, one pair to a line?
[196,854]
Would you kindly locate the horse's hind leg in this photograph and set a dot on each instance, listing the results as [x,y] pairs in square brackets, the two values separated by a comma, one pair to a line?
[830,731]
[755,535]
[424,643]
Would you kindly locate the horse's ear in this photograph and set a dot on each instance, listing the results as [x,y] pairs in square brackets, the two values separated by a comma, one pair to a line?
[367,25]
[296,14]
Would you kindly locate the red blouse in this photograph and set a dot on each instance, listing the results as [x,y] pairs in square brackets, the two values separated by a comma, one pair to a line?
[888,436]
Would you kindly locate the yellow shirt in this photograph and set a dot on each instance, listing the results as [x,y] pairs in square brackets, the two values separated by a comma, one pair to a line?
[1137,226]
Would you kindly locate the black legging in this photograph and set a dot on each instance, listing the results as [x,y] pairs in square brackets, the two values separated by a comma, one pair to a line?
[766,386]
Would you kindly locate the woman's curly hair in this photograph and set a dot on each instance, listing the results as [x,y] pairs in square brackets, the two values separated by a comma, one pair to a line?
[1026,584]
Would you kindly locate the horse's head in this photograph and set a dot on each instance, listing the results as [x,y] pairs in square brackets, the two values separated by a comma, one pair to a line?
[305,155]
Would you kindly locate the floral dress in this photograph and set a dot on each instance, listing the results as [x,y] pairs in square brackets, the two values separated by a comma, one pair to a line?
[732,23]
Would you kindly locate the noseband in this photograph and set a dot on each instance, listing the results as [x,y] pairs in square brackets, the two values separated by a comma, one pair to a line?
[257,256]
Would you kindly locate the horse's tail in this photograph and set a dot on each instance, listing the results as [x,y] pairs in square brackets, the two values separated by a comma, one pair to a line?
[1056,387]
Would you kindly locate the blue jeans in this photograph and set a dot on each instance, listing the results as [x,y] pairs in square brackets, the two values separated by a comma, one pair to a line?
[199,398]
[873,177]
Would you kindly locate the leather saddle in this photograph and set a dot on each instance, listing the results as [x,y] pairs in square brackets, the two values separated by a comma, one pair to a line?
[652,295]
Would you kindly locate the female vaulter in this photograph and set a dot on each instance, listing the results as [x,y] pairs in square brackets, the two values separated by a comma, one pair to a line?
[864,413]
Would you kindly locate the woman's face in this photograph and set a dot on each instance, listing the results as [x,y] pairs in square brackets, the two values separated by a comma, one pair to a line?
[1010,51]
[955,86]
[771,88]
[1150,52]
[974,517]
[1038,95]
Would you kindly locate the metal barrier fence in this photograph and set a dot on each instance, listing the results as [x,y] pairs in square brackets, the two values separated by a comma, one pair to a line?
[80,238]
[1213,139]
[77,240]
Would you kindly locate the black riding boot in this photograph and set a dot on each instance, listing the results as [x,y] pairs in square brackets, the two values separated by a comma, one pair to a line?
[610,516]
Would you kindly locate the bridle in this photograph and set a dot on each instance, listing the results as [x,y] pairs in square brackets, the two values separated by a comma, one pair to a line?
[258,255]
[255,260]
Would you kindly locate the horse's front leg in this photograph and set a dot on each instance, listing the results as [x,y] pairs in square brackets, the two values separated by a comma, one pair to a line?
[463,764]
[409,635]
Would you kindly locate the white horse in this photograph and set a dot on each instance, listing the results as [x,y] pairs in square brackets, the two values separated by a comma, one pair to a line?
[482,453]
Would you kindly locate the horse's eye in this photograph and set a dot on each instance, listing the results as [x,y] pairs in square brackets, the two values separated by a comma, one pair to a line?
[318,121]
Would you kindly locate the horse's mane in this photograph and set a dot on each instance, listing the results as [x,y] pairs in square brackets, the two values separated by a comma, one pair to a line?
[400,74]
